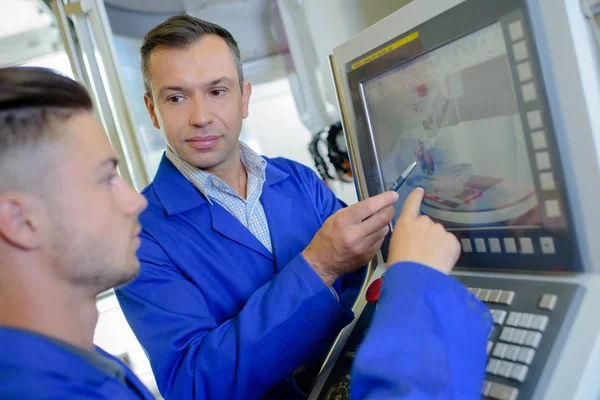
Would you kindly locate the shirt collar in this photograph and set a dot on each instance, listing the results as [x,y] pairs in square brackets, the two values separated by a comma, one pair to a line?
[254,165]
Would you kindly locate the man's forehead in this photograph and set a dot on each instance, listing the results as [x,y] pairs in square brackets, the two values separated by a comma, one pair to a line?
[209,53]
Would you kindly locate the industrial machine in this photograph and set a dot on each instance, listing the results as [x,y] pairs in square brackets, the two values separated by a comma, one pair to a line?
[498,103]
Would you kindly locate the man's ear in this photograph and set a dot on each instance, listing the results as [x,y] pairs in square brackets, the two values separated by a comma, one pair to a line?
[19,222]
[151,110]
[246,93]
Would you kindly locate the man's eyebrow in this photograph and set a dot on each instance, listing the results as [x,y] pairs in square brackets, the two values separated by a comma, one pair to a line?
[223,79]
[173,88]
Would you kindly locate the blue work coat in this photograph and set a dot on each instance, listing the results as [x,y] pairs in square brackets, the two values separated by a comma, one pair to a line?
[219,316]
[427,340]
[34,368]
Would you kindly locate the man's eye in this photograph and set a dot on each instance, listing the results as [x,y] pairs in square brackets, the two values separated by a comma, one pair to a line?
[175,99]
[217,92]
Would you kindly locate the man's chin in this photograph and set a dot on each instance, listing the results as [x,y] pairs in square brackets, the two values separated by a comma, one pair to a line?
[127,275]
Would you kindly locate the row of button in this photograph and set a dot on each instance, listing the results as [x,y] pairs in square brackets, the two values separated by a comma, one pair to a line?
[512,352]
[493,295]
[510,245]
[507,369]
[527,321]
[498,391]
[521,337]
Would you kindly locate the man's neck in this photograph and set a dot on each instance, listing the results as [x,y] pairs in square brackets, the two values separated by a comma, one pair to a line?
[234,175]
[37,304]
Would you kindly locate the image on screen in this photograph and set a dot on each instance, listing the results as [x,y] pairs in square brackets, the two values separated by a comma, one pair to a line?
[454,111]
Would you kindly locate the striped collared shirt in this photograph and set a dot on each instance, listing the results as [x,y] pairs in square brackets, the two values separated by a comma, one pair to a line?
[249,211]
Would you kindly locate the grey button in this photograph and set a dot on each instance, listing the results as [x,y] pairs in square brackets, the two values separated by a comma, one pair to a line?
[484,294]
[480,245]
[490,344]
[519,336]
[526,320]
[495,245]
[526,245]
[533,339]
[540,322]
[499,316]
[507,334]
[500,350]
[507,297]
[512,352]
[505,369]
[526,355]
[487,386]
[519,372]
[495,296]
[510,245]
[475,291]
[513,319]
[466,245]
[548,302]
[492,367]
[503,392]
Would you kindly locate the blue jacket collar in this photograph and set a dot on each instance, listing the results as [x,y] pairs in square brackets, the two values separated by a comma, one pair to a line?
[178,195]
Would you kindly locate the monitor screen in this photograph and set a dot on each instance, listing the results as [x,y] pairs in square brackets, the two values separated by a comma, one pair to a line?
[454,111]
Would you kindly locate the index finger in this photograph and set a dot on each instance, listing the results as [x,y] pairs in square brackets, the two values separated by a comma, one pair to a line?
[364,209]
[412,206]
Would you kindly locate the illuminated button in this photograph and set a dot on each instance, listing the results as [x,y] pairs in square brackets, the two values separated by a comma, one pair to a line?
[520,51]
[466,245]
[510,246]
[480,245]
[374,290]
[538,139]
[547,181]
[495,245]
[526,320]
[492,366]
[540,322]
[528,92]
[500,350]
[512,352]
[533,339]
[548,302]
[547,245]
[552,208]
[515,30]
[526,245]
[526,355]
[484,295]
[503,392]
[495,296]
[513,319]
[507,297]
[518,372]
[542,160]
[524,71]
[534,119]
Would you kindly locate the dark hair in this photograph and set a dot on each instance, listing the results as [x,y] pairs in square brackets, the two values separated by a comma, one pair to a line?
[32,100]
[181,31]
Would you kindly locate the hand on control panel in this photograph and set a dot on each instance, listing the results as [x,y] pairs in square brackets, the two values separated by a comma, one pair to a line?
[418,239]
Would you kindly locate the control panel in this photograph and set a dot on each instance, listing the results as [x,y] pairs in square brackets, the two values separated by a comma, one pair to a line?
[531,321]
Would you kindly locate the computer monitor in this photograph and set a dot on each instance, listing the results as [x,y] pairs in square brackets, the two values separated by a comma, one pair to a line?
[472,113]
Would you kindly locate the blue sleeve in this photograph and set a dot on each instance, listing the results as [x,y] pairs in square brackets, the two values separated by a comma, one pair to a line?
[427,340]
[195,357]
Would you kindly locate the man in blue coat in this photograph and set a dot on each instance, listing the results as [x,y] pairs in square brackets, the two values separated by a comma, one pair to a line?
[68,231]
[244,259]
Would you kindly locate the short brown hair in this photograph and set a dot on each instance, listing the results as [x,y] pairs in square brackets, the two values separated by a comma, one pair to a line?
[32,102]
[181,31]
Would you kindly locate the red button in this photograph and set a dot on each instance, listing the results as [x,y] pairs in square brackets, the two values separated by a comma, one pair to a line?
[374,290]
